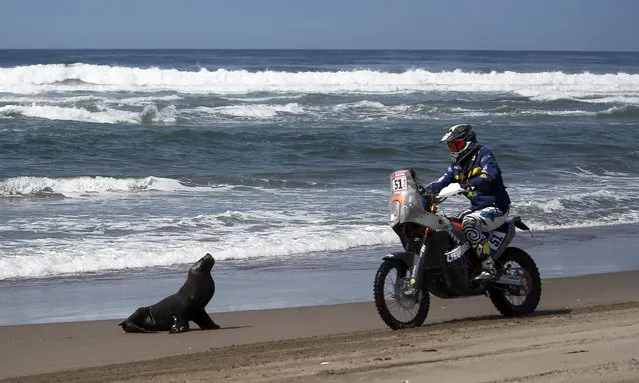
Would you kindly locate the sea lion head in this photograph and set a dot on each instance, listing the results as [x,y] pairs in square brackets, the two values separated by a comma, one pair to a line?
[205,264]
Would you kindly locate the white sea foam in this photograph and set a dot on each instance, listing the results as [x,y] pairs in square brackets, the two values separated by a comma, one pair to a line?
[103,111]
[155,237]
[594,200]
[88,77]
[256,111]
[165,241]
[69,114]
[365,104]
[369,110]
[150,113]
[48,99]
[143,241]
[631,217]
[252,98]
[142,251]
[534,112]
[143,100]
[78,186]
[66,99]
[628,99]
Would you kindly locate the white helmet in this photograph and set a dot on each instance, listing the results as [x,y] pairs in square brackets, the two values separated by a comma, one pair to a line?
[461,141]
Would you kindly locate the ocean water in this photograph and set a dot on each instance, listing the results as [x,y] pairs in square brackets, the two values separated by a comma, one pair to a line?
[121,168]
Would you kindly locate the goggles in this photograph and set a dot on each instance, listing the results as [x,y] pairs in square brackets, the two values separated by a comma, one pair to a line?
[456,145]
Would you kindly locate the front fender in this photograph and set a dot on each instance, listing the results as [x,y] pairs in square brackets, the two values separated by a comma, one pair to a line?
[404,256]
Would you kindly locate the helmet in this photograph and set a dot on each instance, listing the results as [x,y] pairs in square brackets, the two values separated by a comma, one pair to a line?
[461,141]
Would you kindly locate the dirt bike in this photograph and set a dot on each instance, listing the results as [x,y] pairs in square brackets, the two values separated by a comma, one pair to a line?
[438,260]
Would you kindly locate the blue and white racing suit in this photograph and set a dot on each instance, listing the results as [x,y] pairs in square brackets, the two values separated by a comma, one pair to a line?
[486,191]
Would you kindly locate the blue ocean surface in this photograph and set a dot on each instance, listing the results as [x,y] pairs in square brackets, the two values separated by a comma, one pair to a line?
[120,168]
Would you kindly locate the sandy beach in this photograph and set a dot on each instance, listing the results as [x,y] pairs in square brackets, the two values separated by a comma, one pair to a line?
[585,330]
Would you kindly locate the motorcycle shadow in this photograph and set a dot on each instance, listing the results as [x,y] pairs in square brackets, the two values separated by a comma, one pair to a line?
[499,317]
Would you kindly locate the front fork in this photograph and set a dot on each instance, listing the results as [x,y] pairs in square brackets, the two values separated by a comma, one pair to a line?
[413,282]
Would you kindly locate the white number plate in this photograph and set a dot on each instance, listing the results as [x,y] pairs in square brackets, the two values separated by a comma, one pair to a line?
[398,181]
[496,238]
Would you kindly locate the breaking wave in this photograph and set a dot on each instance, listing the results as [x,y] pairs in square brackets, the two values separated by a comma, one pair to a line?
[78,186]
[149,114]
[98,78]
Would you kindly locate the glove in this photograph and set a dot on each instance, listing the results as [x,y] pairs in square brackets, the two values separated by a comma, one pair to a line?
[466,186]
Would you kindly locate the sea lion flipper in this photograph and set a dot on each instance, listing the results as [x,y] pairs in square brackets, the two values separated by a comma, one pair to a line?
[130,326]
[202,319]
[135,322]
[180,324]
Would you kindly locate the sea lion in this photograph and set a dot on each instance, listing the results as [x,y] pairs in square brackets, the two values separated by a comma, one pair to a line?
[174,312]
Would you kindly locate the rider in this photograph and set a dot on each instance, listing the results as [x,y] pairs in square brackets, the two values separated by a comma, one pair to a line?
[475,169]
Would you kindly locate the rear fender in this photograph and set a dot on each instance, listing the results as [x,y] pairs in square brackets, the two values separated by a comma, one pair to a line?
[519,224]
[501,237]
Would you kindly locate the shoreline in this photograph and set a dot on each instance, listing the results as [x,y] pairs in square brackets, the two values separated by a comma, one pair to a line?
[73,349]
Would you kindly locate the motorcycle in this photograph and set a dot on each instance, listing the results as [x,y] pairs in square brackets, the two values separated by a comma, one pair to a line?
[438,260]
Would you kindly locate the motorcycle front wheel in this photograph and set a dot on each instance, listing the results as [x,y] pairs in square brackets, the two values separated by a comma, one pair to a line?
[517,300]
[396,308]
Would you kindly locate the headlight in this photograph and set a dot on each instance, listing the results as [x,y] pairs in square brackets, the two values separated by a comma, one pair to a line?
[393,213]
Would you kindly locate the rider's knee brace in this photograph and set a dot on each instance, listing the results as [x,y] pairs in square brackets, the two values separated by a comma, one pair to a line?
[472,228]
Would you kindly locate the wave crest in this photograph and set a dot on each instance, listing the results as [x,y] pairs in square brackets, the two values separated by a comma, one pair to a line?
[89,77]
[78,186]
[149,114]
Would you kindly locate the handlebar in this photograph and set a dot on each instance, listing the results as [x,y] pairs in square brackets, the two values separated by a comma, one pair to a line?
[448,191]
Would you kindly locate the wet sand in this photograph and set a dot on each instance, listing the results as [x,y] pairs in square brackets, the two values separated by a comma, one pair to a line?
[585,329]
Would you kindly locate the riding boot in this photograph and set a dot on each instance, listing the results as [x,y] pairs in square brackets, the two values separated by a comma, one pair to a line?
[487,265]
[487,270]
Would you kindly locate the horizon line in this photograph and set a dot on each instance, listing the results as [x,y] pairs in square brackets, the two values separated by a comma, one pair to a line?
[323,49]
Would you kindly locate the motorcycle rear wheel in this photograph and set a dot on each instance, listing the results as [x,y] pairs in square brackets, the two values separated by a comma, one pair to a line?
[396,309]
[515,300]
